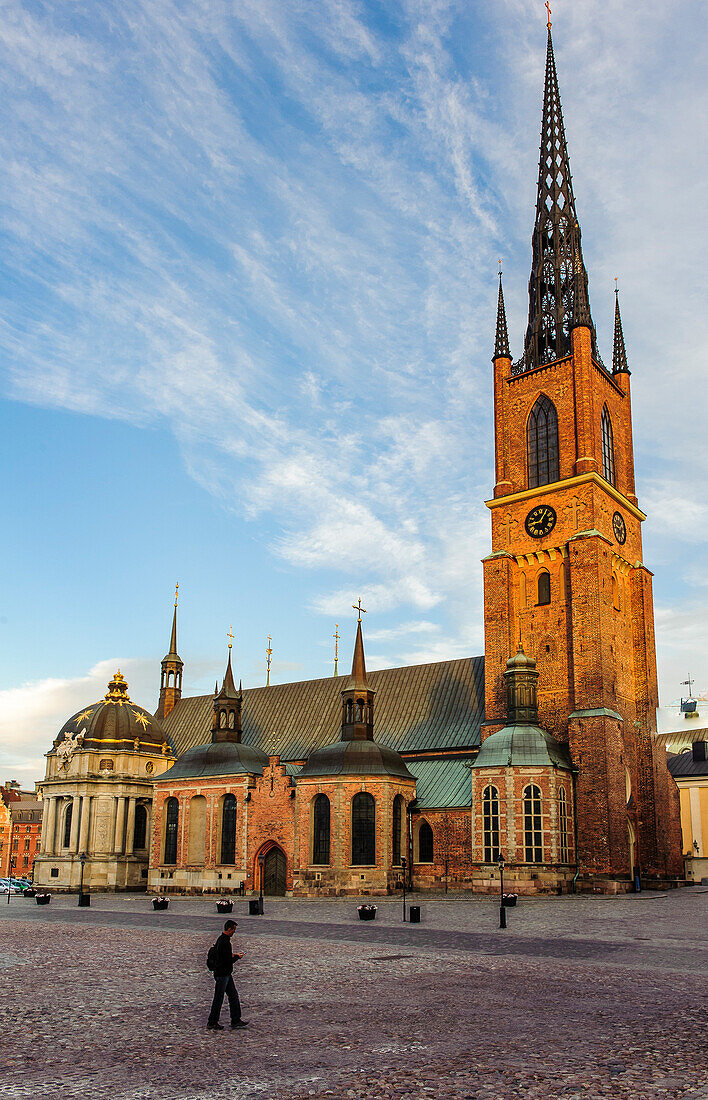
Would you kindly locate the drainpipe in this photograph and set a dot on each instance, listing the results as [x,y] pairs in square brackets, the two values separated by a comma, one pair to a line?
[574,775]
[410,849]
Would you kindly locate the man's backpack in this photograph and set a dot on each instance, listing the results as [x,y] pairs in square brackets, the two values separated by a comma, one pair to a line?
[211,958]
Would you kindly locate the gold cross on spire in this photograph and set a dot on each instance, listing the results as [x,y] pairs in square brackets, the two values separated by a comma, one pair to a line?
[500,269]
[176,592]
[230,635]
[336,637]
[357,607]
[269,653]
[548,9]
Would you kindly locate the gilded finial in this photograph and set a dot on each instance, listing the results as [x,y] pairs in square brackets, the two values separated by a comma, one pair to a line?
[500,269]
[269,654]
[616,287]
[176,592]
[357,607]
[230,635]
[548,9]
[336,637]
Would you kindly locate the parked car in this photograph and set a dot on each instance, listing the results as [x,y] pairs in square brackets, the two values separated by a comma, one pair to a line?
[7,888]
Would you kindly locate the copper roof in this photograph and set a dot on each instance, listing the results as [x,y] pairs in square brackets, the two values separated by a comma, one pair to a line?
[419,708]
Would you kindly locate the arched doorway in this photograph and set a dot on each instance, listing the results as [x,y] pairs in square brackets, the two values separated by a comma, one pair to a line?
[631,837]
[275,870]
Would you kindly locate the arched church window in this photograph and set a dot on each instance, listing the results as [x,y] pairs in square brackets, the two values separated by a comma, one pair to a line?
[533,826]
[171,824]
[544,587]
[425,843]
[320,830]
[228,829]
[615,592]
[363,829]
[359,711]
[350,710]
[608,448]
[397,827]
[222,720]
[490,824]
[196,830]
[140,830]
[232,720]
[67,824]
[562,825]
[542,443]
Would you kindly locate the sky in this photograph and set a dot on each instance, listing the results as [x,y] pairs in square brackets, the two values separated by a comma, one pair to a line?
[247,306]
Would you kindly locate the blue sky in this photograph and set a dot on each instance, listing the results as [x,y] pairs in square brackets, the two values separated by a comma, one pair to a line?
[246,315]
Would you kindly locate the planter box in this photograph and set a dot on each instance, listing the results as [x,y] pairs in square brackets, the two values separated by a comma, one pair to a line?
[160,903]
[509,899]
[366,912]
[224,907]
[42,899]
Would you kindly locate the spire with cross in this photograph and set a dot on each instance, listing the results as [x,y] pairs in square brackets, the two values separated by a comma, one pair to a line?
[357,607]
[336,637]
[269,656]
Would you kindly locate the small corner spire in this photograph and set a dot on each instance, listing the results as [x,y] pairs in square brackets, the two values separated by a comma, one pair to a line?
[501,343]
[619,352]
[358,662]
[581,303]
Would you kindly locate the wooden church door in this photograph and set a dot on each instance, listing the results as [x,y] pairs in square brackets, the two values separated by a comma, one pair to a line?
[274,872]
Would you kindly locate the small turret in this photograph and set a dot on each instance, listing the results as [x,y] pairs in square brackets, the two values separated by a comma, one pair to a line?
[358,697]
[226,722]
[619,353]
[521,689]
[501,343]
[171,677]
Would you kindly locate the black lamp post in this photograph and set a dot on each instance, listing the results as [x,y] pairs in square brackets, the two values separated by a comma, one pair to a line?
[403,864]
[82,860]
[261,865]
[502,908]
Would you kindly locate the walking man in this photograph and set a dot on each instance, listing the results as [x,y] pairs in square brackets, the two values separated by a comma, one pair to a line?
[224,982]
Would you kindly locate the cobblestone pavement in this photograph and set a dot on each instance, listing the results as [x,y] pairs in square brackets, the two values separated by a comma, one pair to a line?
[578,998]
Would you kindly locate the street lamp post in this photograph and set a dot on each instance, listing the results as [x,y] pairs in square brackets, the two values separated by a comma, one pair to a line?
[10,863]
[502,907]
[403,864]
[261,865]
[82,860]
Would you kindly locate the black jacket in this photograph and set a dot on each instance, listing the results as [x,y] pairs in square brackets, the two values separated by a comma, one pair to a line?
[224,957]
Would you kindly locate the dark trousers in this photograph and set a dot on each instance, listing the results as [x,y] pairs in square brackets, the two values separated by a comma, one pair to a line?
[225,985]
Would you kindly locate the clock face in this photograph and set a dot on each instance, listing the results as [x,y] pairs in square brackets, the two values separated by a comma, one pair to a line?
[540,521]
[618,526]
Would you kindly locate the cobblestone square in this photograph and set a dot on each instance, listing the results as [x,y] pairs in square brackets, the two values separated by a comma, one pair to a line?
[578,998]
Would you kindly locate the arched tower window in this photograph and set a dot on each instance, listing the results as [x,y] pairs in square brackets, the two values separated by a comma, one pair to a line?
[171,824]
[67,825]
[140,831]
[563,825]
[615,593]
[228,829]
[320,830]
[490,824]
[542,443]
[232,719]
[533,825]
[222,719]
[608,448]
[544,587]
[397,826]
[425,843]
[363,829]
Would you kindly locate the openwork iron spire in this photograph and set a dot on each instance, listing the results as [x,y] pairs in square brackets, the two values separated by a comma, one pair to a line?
[557,249]
[619,355]
[501,344]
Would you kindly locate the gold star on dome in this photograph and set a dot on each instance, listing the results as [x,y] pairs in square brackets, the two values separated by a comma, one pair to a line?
[142,719]
[83,716]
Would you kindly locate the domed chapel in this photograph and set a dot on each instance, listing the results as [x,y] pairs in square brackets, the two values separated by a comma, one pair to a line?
[542,750]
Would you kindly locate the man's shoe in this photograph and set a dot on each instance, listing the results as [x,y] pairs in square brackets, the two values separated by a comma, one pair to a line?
[215,1027]
[239,1023]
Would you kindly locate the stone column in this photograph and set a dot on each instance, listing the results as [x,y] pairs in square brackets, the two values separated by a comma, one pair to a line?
[84,831]
[74,834]
[120,823]
[49,827]
[130,828]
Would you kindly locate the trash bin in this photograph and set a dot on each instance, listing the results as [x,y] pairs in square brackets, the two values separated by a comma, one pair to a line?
[254,908]
[414,914]
[84,899]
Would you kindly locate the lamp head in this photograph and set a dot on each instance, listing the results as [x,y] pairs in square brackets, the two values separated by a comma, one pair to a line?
[501,861]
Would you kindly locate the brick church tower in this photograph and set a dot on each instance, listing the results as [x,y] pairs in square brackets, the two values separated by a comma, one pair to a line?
[566,577]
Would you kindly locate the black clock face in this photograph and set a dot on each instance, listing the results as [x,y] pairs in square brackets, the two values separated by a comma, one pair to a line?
[540,521]
[619,528]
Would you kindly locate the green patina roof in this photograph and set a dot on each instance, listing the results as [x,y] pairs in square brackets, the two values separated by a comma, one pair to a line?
[525,745]
[419,708]
[442,783]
